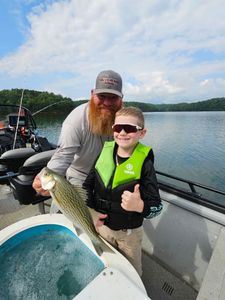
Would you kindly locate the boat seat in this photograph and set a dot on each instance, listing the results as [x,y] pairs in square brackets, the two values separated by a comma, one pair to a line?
[18,154]
[38,160]
[15,158]
[22,184]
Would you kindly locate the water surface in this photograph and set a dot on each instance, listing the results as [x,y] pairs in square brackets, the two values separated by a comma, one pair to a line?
[189,145]
[186,144]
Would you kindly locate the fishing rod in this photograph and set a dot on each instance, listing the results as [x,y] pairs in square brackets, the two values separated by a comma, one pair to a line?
[18,119]
[47,107]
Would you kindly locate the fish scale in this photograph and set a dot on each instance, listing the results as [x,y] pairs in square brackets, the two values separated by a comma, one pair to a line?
[59,194]
[72,202]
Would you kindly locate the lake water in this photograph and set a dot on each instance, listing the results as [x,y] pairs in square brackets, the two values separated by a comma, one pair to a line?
[186,144]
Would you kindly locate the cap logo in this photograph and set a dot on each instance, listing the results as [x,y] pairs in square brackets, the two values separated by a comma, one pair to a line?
[109,81]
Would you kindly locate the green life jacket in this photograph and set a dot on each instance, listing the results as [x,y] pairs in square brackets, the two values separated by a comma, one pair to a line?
[128,171]
[112,180]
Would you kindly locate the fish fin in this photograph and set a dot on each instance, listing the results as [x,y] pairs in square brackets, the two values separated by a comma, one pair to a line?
[98,248]
[81,191]
[54,209]
[79,231]
[101,246]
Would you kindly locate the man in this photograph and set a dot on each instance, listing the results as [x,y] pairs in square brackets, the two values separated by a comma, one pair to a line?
[85,130]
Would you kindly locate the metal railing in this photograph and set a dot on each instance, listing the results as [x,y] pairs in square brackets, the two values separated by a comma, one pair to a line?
[191,193]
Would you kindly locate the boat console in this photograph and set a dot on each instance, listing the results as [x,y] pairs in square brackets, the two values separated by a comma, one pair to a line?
[18,140]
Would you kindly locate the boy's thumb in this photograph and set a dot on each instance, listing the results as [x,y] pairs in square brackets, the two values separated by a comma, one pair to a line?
[136,188]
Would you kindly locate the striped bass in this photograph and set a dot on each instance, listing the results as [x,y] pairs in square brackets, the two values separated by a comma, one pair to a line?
[72,202]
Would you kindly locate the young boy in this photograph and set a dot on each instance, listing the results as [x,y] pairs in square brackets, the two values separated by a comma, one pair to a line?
[123,185]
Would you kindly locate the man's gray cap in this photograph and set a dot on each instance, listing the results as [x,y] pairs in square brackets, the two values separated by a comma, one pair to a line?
[108,82]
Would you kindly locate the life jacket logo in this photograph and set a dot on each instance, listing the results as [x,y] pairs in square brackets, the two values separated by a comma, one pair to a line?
[129,169]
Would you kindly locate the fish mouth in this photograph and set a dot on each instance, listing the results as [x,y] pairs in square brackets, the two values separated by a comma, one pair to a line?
[47,180]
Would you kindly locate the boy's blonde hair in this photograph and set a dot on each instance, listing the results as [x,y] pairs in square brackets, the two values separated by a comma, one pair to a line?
[134,112]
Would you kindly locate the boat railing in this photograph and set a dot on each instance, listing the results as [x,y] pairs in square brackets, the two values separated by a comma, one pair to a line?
[193,191]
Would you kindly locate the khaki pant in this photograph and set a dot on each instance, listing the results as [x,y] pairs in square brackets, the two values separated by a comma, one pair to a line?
[127,242]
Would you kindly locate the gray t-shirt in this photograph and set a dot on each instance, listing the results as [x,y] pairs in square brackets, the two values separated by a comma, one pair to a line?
[78,146]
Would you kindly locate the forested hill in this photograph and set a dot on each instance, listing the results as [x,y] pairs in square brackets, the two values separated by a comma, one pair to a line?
[35,100]
[215,104]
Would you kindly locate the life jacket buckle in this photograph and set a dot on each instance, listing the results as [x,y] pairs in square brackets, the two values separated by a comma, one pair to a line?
[103,205]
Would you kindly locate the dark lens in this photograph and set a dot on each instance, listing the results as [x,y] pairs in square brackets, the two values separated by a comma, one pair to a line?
[127,127]
[117,128]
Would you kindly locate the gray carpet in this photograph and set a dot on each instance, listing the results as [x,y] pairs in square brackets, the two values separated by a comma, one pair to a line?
[162,285]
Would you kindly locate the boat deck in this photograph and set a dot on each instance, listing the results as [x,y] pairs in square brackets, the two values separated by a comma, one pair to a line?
[159,282]
[12,211]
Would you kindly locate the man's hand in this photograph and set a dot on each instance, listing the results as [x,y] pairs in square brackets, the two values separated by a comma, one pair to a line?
[100,220]
[38,188]
[131,201]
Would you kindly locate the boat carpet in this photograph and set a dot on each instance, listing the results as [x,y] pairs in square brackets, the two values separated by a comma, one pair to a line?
[160,284]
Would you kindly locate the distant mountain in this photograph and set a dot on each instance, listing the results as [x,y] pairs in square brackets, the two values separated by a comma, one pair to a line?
[215,104]
[36,100]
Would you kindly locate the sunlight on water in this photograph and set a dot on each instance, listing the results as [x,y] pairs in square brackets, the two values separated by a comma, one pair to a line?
[46,262]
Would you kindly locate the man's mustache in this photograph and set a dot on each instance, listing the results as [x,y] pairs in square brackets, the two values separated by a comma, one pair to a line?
[111,107]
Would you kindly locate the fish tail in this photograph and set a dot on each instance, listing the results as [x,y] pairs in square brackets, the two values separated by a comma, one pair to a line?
[100,247]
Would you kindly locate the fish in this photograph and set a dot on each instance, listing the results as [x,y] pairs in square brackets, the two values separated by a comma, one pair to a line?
[71,201]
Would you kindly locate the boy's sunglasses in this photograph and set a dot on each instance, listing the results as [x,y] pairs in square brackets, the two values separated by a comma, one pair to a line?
[129,128]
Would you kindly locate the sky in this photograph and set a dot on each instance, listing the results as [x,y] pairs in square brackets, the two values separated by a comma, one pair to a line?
[167,51]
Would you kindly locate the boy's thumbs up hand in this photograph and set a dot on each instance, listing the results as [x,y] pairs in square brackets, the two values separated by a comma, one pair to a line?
[131,201]
[136,188]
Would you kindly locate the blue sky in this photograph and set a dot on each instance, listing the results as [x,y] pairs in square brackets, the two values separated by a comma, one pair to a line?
[167,51]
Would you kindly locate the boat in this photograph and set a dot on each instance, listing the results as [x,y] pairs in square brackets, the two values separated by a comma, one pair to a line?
[183,247]
[19,139]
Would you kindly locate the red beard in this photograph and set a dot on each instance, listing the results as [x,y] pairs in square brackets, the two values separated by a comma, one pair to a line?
[101,121]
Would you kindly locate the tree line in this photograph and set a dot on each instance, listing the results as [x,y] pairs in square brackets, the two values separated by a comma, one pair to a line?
[37,100]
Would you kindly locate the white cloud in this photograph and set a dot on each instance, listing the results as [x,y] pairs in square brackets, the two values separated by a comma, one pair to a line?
[153,42]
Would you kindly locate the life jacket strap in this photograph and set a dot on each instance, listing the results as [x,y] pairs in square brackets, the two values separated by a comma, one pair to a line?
[106,206]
